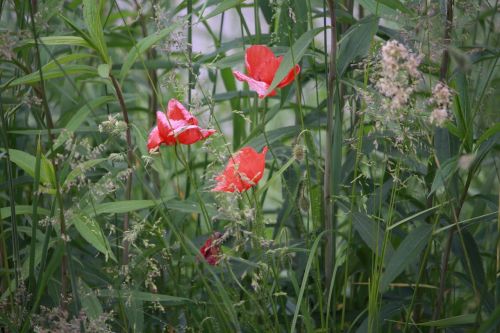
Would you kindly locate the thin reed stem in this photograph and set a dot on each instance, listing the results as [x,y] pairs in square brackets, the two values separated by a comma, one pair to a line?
[130,164]
[327,190]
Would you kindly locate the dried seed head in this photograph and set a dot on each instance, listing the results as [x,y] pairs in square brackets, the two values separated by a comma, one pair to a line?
[299,152]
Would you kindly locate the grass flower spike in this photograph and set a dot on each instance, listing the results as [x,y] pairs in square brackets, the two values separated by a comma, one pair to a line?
[243,171]
[176,126]
[261,65]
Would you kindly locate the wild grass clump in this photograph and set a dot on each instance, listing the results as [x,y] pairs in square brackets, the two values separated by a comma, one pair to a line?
[249,166]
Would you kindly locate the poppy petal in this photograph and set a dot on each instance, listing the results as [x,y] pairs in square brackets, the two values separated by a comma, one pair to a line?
[163,124]
[154,140]
[289,77]
[244,170]
[211,251]
[190,134]
[177,111]
[252,164]
[257,86]
[261,64]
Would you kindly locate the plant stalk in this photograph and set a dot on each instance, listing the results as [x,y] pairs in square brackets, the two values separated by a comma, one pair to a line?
[327,191]
[130,163]
[446,253]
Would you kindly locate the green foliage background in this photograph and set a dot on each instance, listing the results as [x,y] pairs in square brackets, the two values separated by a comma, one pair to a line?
[365,221]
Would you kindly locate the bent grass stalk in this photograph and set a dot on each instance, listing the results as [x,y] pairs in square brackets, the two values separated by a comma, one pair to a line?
[329,187]
[130,164]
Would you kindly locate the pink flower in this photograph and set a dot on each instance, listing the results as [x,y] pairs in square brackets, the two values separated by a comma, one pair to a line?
[176,126]
[211,249]
[243,171]
[262,65]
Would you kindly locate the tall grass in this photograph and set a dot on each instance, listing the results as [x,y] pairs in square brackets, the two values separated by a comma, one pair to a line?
[377,211]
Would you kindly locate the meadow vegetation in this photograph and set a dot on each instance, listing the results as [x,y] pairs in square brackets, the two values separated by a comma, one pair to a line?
[250,166]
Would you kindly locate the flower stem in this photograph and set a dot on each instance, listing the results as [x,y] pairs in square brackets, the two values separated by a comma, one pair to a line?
[130,162]
[327,191]
[446,252]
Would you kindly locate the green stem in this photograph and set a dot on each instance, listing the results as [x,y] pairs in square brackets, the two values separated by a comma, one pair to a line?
[130,163]
[329,186]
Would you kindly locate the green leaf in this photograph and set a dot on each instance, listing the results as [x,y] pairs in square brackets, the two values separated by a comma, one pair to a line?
[388,9]
[22,210]
[271,136]
[396,5]
[372,234]
[446,170]
[103,70]
[490,324]
[466,248]
[188,206]
[82,168]
[488,133]
[146,297]
[293,56]
[230,61]
[276,176]
[222,7]
[27,162]
[483,150]
[91,231]
[465,319]
[409,218]
[407,252]
[143,45]
[52,74]
[79,117]
[92,18]
[311,257]
[124,206]
[90,302]
[355,43]
[58,40]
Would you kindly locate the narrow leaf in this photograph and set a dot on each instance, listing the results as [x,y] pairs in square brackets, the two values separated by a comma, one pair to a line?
[293,56]
[21,210]
[91,231]
[58,40]
[79,117]
[27,162]
[355,43]
[92,18]
[125,206]
[82,168]
[372,234]
[145,296]
[222,7]
[452,321]
[143,45]
[407,252]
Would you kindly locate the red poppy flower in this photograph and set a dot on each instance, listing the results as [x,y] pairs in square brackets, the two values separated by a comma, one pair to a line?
[211,249]
[262,65]
[176,126]
[243,171]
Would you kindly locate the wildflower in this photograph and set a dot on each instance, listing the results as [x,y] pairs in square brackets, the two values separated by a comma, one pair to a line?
[441,98]
[465,161]
[438,116]
[211,249]
[113,126]
[176,126]
[261,65]
[441,94]
[399,72]
[243,171]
